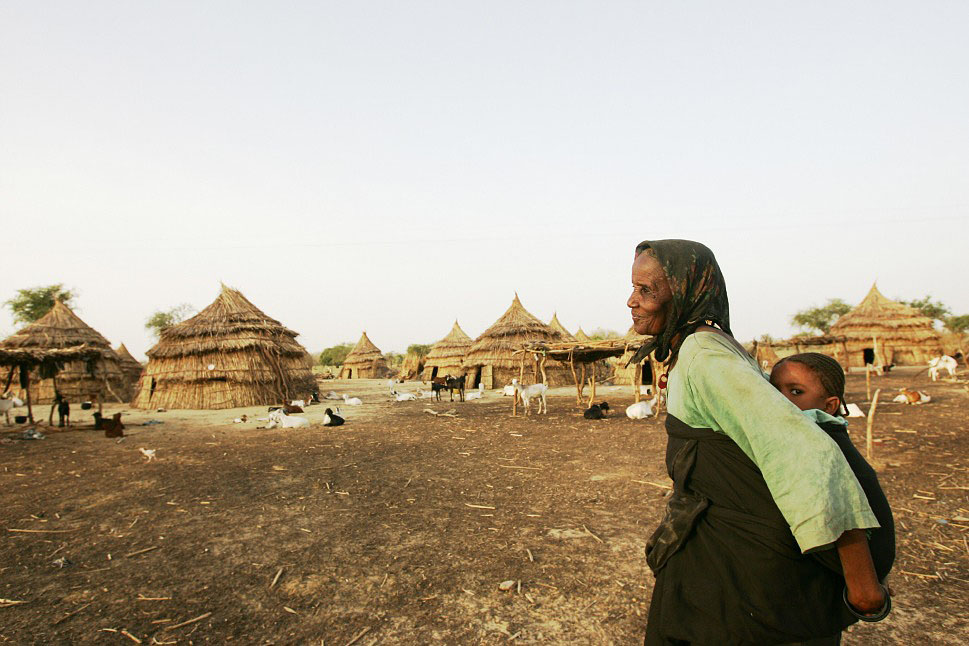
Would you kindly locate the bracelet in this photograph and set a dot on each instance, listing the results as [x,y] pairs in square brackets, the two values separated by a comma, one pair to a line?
[878,616]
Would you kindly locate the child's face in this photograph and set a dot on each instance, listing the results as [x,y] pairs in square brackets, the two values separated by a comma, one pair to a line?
[799,384]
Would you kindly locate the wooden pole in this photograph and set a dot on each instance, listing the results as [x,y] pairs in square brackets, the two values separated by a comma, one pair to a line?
[582,384]
[50,418]
[575,378]
[869,441]
[592,392]
[14,367]
[868,381]
[30,409]
[637,382]
[541,367]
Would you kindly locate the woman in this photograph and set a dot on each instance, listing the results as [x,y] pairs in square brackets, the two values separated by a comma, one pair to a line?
[763,540]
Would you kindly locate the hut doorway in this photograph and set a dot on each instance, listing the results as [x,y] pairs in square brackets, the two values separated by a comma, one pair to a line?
[434,373]
[349,373]
[477,378]
[647,372]
[869,356]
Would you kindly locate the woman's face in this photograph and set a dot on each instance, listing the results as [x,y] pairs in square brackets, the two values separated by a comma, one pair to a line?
[650,301]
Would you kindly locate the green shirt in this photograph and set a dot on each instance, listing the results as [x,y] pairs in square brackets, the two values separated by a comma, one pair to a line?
[716,385]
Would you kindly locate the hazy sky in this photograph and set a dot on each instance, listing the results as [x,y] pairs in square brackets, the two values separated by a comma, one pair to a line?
[392,166]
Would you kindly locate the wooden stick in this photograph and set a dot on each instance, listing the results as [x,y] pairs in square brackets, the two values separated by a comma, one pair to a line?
[358,636]
[468,504]
[130,636]
[869,442]
[637,381]
[542,367]
[144,551]
[591,534]
[575,379]
[868,381]
[190,621]
[40,531]
[71,614]
[279,573]
[512,466]
[582,384]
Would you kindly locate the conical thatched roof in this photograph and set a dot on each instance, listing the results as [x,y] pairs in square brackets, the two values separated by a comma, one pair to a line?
[556,325]
[450,350]
[230,354]
[580,335]
[363,353]
[129,365]
[516,326]
[61,329]
[877,315]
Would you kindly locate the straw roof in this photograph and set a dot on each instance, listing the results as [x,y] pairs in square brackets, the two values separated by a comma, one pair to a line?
[129,365]
[878,315]
[363,354]
[65,346]
[496,345]
[580,335]
[556,325]
[228,355]
[450,350]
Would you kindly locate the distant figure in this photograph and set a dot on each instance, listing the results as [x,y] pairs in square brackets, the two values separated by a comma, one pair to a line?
[111,427]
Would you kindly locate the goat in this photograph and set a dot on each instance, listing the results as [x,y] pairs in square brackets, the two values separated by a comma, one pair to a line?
[437,385]
[641,410]
[508,391]
[331,395]
[301,403]
[403,397]
[906,396]
[938,364]
[278,418]
[352,401]
[854,410]
[455,383]
[475,394]
[596,411]
[111,427]
[289,409]
[63,410]
[332,419]
[527,393]
[7,403]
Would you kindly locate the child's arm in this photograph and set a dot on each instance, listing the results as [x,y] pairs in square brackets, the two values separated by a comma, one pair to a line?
[865,593]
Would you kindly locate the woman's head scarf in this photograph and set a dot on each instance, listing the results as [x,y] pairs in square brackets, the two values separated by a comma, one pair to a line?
[699,294]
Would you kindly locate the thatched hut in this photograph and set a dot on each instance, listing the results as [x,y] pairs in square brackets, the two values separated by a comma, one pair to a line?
[411,367]
[97,377]
[365,361]
[131,368]
[447,355]
[556,325]
[627,374]
[491,359]
[580,335]
[878,331]
[228,355]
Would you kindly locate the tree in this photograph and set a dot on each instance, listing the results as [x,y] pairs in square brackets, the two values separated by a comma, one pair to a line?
[601,334]
[394,359]
[335,355]
[936,311]
[420,349]
[161,320]
[31,304]
[958,324]
[821,318]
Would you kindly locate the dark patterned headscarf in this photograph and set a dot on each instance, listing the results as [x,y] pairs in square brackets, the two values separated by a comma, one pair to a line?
[699,294]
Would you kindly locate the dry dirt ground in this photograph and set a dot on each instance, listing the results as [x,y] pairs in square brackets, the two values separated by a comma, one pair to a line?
[398,527]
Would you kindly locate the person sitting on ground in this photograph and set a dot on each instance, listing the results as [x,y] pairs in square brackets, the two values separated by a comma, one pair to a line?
[815,383]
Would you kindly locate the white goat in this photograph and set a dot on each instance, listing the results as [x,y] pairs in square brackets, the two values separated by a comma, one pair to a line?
[298,402]
[475,394]
[279,419]
[508,391]
[403,397]
[331,395]
[8,403]
[527,393]
[641,410]
[352,401]
[938,364]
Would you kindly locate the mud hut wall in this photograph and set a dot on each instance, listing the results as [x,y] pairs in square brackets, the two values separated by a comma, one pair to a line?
[76,384]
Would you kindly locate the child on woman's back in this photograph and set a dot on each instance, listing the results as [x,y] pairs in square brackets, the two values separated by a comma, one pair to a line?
[815,383]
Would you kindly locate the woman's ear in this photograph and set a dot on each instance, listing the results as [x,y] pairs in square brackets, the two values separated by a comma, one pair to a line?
[831,405]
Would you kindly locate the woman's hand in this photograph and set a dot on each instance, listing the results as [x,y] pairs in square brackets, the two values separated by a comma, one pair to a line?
[866,599]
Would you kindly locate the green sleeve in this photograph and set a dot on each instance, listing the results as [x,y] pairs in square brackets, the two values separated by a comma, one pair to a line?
[807,474]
